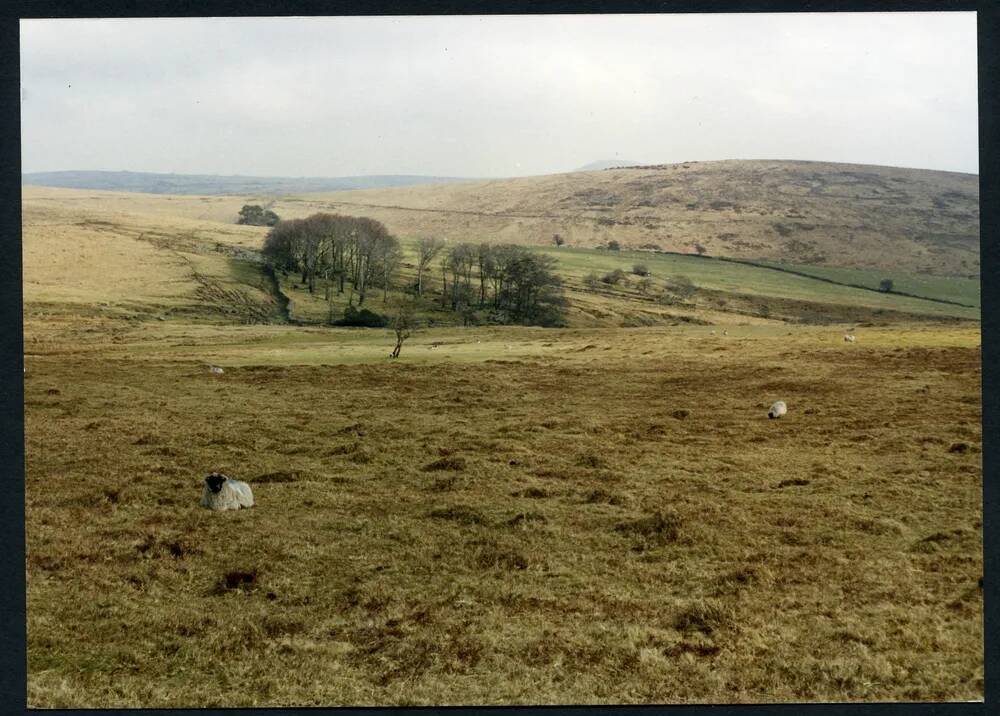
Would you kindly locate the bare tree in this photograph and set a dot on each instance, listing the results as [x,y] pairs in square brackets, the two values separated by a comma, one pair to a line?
[427,249]
[403,325]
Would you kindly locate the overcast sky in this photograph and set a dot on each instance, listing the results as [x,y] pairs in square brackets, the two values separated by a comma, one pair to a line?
[496,96]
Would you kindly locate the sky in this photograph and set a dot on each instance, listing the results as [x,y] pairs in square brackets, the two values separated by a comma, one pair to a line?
[496,96]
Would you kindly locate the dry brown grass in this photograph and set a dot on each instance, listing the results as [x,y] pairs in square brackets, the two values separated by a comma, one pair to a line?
[804,212]
[545,528]
[502,515]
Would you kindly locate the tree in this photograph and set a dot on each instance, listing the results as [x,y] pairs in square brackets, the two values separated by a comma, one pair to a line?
[640,270]
[403,325]
[255,215]
[558,240]
[613,245]
[427,249]
[885,285]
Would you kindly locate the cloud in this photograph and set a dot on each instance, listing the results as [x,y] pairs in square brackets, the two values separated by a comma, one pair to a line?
[496,96]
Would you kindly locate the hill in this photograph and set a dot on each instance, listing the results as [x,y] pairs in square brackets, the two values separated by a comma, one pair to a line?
[183,257]
[211,184]
[825,214]
[607,164]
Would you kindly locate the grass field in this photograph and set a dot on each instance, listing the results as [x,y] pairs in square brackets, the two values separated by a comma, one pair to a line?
[503,515]
[745,289]
[585,517]
[959,290]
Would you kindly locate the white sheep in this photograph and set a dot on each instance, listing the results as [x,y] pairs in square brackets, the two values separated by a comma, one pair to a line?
[222,493]
[777,410]
[215,370]
[849,339]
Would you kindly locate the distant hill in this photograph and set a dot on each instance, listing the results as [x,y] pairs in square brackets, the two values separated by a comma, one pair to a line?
[816,213]
[606,164]
[211,184]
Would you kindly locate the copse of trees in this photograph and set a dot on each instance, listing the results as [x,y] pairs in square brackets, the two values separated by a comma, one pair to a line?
[356,255]
[512,283]
[340,250]
[255,215]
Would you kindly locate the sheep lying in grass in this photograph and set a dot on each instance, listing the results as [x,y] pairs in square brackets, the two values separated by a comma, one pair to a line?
[777,410]
[215,370]
[849,339]
[222,493]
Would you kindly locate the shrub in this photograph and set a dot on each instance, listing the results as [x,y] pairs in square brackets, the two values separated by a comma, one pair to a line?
[681,286]
[591,279]
[362,318]
[613,245]
[640,270]
[613,278]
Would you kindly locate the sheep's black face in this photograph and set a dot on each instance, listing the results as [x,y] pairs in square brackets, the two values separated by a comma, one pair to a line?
[770,416]
[215,481]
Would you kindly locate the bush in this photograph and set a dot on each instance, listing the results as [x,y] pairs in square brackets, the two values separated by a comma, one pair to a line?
[362,318]
[613,278]
[255,215]
[885,285]
[591,280]
[614,246]
[681,286]
[640,270]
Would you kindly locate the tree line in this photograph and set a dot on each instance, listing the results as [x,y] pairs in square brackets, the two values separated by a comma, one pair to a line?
[509,283]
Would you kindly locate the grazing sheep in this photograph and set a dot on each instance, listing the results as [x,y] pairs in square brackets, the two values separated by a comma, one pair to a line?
[849,339]
[777,410]
[725,333]
[215,370]
[222,493]
[711,333]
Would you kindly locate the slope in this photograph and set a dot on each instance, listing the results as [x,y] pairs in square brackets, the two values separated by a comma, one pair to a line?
[847,215]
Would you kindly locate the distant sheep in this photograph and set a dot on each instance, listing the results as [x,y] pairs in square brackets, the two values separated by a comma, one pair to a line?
[777,410]
[222,493]
[849,339]
[215,370]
